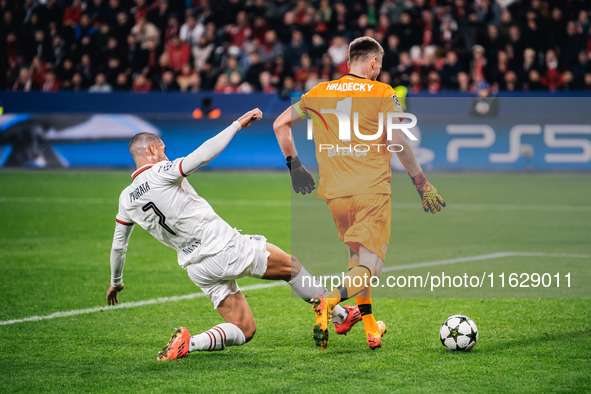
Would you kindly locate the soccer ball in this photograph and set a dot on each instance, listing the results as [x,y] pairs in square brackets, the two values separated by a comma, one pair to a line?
[458,332]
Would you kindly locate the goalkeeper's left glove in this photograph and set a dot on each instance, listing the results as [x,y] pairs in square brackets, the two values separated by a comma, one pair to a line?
[432,200]
[301,180]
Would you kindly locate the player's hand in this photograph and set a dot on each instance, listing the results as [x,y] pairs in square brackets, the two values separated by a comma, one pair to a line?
[301,180]
[248,118]
[431,199]
[112,298]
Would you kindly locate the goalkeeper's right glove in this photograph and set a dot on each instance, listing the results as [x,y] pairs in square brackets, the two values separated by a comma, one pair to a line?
[301,180]
[430,197]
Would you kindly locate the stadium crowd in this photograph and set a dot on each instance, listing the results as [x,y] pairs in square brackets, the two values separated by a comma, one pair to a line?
[240,46]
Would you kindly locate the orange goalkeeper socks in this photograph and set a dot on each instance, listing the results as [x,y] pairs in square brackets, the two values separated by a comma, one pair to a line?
[354,282]
[369,321]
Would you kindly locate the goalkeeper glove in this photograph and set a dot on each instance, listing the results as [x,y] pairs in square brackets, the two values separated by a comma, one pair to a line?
[301,180]
[432,200]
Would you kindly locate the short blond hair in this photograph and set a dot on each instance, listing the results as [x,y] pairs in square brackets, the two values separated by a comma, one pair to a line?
[363,47]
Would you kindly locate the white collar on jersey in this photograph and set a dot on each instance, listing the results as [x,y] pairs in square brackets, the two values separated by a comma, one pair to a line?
[140,170]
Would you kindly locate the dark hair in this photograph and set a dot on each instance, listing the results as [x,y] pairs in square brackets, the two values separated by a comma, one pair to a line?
[362,47]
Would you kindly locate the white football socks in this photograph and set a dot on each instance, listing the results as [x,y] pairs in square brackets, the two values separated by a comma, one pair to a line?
[306,287]
[217,338]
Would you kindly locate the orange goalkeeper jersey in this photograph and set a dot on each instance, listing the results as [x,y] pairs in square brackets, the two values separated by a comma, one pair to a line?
[352,148]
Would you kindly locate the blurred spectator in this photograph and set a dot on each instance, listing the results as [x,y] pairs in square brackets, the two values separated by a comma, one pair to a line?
[24,83]
[141,84]
[86,71]
[122,83]
[582,67]
[114,68]
[534,82]
[510,82]
[179,54]
[265,81]
[37,71]
[302,73]
[270,48]
[233,67]
[76,85]
[100,85]
[222,85]
[288,88]
[201,52]
[312,81]
[240,32]
[478,63]
[259,29]
[171,29]
[463,82]
[113,11]
[338,51]
[296,48]
[188,79]
[449,72]
[433,82]
[98,11]
[122,28]
[41,47]
[144,31]
[587,80]
[168,82]
[160,15]
[51,84]
[208,77]
[191,31]
[552,78]
[72,14]
[84,28]
[58,49]
[430,45]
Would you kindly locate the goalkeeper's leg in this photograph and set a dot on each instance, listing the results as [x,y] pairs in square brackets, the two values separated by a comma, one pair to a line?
[357,284]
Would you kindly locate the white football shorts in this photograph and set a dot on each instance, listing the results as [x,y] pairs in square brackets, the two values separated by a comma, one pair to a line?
[245,255]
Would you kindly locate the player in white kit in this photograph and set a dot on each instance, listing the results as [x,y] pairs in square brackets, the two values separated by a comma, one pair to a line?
[214,254]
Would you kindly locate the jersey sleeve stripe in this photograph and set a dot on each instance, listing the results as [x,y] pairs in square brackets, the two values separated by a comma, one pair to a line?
[181,168]
[124,223]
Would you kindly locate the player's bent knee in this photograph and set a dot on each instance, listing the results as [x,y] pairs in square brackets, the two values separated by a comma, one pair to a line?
[294,267]
[249,331]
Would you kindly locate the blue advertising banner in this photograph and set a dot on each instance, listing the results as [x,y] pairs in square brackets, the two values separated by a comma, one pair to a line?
[514,133]
[467,133]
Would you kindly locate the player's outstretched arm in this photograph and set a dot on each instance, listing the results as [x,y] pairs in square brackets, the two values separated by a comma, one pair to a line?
[118,251]
[430,197]
[215,145]
[301,180]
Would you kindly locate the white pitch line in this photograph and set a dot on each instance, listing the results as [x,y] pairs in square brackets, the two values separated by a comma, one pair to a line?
[161,300]
[484,257]
[153,301]
[288,203]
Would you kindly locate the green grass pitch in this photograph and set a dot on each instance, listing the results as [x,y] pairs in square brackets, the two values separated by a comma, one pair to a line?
[55,236]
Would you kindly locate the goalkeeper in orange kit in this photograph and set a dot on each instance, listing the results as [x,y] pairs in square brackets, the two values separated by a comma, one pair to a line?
[355,182]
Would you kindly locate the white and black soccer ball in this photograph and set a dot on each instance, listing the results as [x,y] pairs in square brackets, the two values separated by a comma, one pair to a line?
[458,332]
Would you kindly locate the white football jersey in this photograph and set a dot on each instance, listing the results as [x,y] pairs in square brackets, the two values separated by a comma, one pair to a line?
[163,203]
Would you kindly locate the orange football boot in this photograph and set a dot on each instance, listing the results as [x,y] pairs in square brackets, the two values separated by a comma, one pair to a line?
[320,308]
[177,347]
[353,317]
[374,339]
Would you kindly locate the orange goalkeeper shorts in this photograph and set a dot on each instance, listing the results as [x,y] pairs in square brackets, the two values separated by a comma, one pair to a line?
[363,219]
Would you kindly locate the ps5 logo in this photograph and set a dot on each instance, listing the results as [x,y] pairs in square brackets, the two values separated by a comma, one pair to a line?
[550,133]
